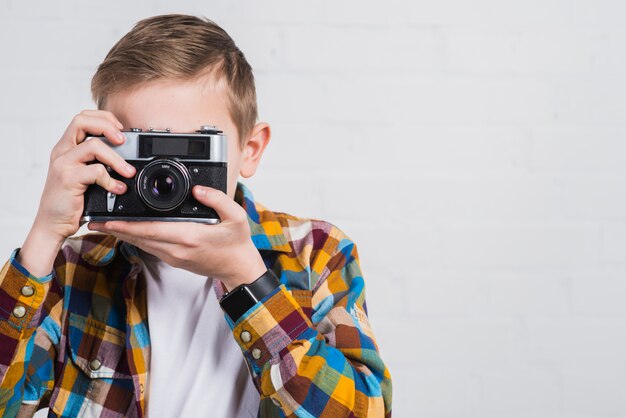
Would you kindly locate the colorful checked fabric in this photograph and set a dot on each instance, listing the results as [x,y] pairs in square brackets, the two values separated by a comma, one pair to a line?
[78,341]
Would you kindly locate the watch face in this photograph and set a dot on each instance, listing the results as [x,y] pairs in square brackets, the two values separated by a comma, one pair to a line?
[242,298]
[238,302]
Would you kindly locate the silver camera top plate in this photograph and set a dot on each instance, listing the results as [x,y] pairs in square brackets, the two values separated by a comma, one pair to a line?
[129,150]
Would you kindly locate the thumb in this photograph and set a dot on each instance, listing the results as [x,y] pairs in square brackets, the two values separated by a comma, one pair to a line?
[226,208]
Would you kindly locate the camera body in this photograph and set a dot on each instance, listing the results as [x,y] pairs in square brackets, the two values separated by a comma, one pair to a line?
[168,166]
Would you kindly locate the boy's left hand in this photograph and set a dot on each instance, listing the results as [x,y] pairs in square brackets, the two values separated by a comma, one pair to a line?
[224,251]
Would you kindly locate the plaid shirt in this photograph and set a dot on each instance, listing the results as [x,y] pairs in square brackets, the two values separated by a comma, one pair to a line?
[78,341]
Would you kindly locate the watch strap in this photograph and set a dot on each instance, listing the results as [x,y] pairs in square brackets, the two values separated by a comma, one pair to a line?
[240,299]
[264,285]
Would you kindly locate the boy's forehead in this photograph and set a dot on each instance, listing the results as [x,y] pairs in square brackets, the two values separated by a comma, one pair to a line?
[175,104]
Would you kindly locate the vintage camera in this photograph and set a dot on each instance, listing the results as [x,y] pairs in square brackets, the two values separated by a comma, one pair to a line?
[168,166]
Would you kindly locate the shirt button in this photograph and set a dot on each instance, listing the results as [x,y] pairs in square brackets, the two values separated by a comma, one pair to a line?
[28,290]
[19,311]
[245,336]
[276,402]
[95,364]
[141,387]
[256,353]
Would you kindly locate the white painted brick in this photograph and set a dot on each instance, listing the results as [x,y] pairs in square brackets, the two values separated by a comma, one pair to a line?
[385,329]
[14,232]
[25,188]
[391,12]
[290,97]
[458,99]
[433,391]
[425,249]
[577,344]
[363,49]
[614,244]
[374,194]
[275,12]
[262,45]
[550,51]
[467,345]
[443,150]
[526,14]
[593,197]
[383,285]
[577,149]
[519,246]
[405,402]
[488,197]
[528,393]
[56,44]
[580,100]
[444,294]
[30,105]
[39,11]
[594,395]
[529,295]
[599,293]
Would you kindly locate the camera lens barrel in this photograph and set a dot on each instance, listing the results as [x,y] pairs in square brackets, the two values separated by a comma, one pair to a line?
[163,184]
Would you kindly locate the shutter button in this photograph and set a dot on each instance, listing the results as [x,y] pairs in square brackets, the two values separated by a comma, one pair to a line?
[246,336]
[19,311]
[28,291]
[95,364]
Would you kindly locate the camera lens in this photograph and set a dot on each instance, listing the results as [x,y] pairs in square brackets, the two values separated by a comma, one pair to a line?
[163,184]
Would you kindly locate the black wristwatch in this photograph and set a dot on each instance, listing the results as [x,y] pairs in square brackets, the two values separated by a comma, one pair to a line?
[239,300]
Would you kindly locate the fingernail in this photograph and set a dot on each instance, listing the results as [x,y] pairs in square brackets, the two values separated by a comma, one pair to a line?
[130,169]
[121,136]
[200,191]
[121,187]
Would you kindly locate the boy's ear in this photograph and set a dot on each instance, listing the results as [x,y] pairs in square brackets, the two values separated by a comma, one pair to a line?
[253,149]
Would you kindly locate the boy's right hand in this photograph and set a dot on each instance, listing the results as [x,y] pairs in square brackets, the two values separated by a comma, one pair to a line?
[69,175]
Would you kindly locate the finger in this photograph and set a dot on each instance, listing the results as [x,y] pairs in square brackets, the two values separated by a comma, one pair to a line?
[98,174]
[226,208]
[95,226]
[83,125]
[173,254]
[95,149]
[184,233]
[137,242]
[104,114]
[157,248]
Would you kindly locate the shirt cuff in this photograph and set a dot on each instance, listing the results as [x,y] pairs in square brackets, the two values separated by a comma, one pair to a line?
[269,327]
[21,294]
[24,271]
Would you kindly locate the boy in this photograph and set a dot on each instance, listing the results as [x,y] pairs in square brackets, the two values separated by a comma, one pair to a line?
[132,320]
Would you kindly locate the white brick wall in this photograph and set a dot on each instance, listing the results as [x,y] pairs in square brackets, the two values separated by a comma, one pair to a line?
[473,150]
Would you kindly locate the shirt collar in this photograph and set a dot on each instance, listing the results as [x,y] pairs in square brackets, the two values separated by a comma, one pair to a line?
[265,229]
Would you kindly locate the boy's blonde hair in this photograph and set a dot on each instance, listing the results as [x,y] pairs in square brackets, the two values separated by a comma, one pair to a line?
[179,47]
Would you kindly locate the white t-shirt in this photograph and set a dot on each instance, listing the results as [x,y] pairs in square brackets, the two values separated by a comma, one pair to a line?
[196,367]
